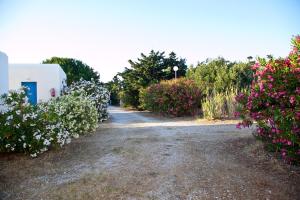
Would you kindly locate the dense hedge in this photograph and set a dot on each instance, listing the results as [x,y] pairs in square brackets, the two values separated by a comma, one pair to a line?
[178,97]
[95,92]
[274,103]
[35,129]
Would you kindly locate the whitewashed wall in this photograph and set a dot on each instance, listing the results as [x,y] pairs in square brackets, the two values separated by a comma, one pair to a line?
[3,73]
[47,76]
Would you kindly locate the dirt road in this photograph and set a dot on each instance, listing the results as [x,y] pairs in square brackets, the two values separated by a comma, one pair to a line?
[139,156]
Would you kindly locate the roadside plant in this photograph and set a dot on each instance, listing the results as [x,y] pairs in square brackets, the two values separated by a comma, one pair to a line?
[95,92]
[177,97]
[35,129]
[21,126]
[274,103]
[213,106]
[75,113]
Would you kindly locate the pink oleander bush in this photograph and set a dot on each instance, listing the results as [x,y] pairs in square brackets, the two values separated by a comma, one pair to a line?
[274,103]
[178,97]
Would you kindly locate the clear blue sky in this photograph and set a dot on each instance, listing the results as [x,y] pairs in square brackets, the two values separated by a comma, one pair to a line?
[106,34]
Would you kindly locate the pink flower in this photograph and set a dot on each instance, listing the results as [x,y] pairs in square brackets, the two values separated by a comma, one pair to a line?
[255,66]
[282,93]
[261,87]
[260,130]
[237,114]
[295,50]
[298,38]
[287,62]
[273,130]
[270,85]
[292,100]
[270,78]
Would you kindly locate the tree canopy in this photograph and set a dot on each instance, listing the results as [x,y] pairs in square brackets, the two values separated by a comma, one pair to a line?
[74,69]
[114,87]
[219,75]
[147,70]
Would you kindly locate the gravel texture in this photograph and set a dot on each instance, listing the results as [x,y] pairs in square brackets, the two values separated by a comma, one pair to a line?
[137,155]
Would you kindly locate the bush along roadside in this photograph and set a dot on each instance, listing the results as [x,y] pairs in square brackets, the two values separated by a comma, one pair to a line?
[35,129]
[274,103]
[177,97]
[95,92]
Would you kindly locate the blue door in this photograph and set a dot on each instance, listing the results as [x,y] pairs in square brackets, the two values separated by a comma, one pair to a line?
[30,91]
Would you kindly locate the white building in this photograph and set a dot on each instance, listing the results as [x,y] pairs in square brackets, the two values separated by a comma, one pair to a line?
[44,80]
[3,73]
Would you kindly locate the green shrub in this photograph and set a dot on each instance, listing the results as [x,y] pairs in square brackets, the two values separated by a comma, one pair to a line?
[95,92]
[177,97]
[219,75]
[129,98]
[75,112]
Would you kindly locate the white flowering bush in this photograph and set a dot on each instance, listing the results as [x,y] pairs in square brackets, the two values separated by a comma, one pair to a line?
[96,92]
[20,122]
[75,112]
[35,129]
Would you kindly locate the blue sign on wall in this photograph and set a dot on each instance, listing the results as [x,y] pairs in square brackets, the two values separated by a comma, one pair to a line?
[31,91]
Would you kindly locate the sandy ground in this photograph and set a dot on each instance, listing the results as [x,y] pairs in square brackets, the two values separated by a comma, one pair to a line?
[137,155]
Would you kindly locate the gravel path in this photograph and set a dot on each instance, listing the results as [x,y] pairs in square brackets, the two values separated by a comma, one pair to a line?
[137,155]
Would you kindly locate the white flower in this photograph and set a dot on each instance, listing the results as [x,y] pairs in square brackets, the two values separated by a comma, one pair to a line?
[25,117]
[68,140]
[33,155]
[38,136]
[33,116]
[10,117]
[43,149]
[26,99]
[46,142]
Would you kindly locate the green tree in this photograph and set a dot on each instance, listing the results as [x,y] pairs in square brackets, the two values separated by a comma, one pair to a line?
[219,75]
[114,87]
[147,70]
[74,69]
